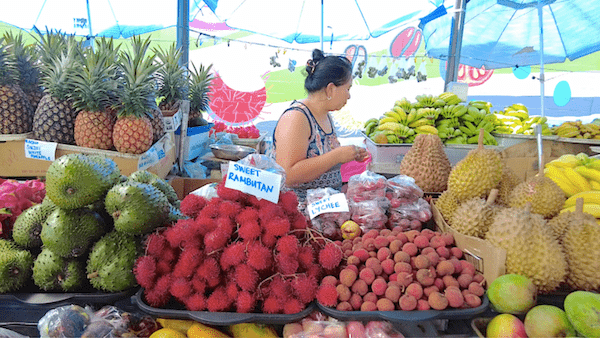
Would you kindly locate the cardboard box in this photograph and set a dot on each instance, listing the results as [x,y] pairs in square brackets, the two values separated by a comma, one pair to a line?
[158,159]
[184,185]
[487,259]
[195,143]
[172,122]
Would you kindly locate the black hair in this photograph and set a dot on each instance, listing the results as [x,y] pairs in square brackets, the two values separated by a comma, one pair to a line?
[323,69]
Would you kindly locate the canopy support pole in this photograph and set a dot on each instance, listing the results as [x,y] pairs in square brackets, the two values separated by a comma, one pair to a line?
[183,31]
[89,17]
[456,35]
[542,80]
[322,23]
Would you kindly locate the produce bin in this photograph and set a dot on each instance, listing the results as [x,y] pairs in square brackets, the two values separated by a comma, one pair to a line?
[178,311]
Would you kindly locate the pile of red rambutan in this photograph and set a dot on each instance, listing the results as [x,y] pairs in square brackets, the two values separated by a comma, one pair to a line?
[237,253]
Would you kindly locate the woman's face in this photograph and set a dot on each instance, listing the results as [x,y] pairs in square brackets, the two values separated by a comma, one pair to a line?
[341,95]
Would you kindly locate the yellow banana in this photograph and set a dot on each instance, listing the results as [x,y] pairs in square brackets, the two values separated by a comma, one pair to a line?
[401,113]
[590,174]
[591,196]
[393,126]
[588,208]
[181,325]
[420,122]
[426,130]
[556,175]
[395,115]
[581,183]
[595,185]
[387,119]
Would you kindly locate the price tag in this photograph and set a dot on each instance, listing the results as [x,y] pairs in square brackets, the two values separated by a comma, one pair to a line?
[333,203]
[40,150]
[253,181]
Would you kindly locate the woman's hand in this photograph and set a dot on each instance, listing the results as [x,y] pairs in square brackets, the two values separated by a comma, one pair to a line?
[353,153]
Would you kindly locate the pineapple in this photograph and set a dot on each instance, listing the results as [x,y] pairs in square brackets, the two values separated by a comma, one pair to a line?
[54,118]
[92,86]
[158,124]
[27,63]
[172,81]
[133,130]
[199,92]
[16,112]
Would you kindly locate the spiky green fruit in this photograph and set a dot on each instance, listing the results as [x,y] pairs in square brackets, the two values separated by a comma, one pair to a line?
[137,208]
[28,226]
[76,180]
[110,263]
[70,233]
[15,266]
[52,272]
[144,176]
[112,173]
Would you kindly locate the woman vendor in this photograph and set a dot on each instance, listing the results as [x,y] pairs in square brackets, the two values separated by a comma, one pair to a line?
[305,143]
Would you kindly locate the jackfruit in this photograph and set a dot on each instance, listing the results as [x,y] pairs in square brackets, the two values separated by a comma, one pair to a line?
[474,217]
[54,273]
[137,208]
[476,174]
[15,266]
[427,162]
[110,263]
[70,233]
[28,226]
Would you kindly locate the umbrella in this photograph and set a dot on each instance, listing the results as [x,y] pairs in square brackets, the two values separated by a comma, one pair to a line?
[304,21]
[513,33]
[110,18]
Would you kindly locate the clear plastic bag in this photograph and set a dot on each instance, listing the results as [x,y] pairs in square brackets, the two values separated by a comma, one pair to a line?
[329,223]
[369,215]
[410,216]
[265,163]
[333,328]
[401,190]
[65,321]
[367,186]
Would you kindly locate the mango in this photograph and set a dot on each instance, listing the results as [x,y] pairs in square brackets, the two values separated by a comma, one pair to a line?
[583,310]
[512,293]
[505,326]
[548,321]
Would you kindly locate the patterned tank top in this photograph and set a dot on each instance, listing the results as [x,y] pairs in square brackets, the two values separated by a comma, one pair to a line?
[319,143]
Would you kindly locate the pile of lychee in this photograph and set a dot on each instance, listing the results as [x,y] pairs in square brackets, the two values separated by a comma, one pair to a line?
[388,270]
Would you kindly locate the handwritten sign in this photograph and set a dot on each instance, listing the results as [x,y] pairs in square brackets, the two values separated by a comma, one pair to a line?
[40,150]
[333,203]
[253,181]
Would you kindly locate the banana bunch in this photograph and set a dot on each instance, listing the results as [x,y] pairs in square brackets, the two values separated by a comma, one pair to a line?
[450,98]
[428,100]
[577,129]
[515,119]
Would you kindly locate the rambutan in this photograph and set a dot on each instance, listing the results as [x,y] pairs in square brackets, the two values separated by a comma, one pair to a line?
[229,208]
[271,305]
[230,194]
[330,256]
[252,200]
[187,262]
[279,288]
[259,256]
[156,244]
[268,210]
[163,267]
[269,240]
[298,221]
[204,224]
[305,288]
[145,271]
[315,271]
[169,254]
[233,255]
[192,204]
[287,245]
[218,300]
[157,298]
[232,289]
[245,277]
[199,285]
[208,269]
[306,256]
[292,306]
[247,214]
[289,201]
[196,302]
[276,226]
[181,288]
[327,295]
[286,264]
[215,240]
[179,232]
[211,210]
[226,225]
[245,302]
[249,230]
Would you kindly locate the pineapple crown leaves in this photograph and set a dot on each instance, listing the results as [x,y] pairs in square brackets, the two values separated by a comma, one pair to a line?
[8,71]
[26,59]
[94,81]
[57,76]
[200,81]
[171,77]
[137,82]
[51,45]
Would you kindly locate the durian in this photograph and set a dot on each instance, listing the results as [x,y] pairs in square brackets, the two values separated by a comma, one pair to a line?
[561,222]
[546,197]
[476,174]
[531,250]
[446,204]
[508,182]
[580,241]
[474,217]
[427,162]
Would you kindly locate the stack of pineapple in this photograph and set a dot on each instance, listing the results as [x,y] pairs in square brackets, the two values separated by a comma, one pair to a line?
[103,98]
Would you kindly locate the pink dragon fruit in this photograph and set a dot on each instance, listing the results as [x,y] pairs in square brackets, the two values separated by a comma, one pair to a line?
[16,197]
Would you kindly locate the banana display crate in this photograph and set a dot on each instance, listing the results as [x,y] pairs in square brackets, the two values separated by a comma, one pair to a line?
[21,156]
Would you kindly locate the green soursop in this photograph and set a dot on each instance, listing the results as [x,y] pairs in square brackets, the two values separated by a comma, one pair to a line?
[15,266]
[28,226]
[54,273]
[137,208]
[110,263]
[144,176]
[70,233]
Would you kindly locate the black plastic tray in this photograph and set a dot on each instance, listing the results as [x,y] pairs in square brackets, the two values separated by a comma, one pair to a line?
[406,316]
[218,318]
[37,297]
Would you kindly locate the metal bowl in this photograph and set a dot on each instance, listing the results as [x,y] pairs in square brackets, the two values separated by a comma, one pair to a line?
[231,151]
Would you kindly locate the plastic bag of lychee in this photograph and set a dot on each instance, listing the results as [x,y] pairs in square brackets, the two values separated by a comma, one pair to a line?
[402,189]
[329,223]
[391,270]
[410,216]
[367,186]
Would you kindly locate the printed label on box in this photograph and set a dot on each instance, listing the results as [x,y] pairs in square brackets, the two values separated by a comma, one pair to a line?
[40,150]
[172,122]
[253,181]
[333,203]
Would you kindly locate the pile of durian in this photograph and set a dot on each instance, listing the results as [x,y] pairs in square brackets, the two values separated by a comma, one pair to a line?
[485,199]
